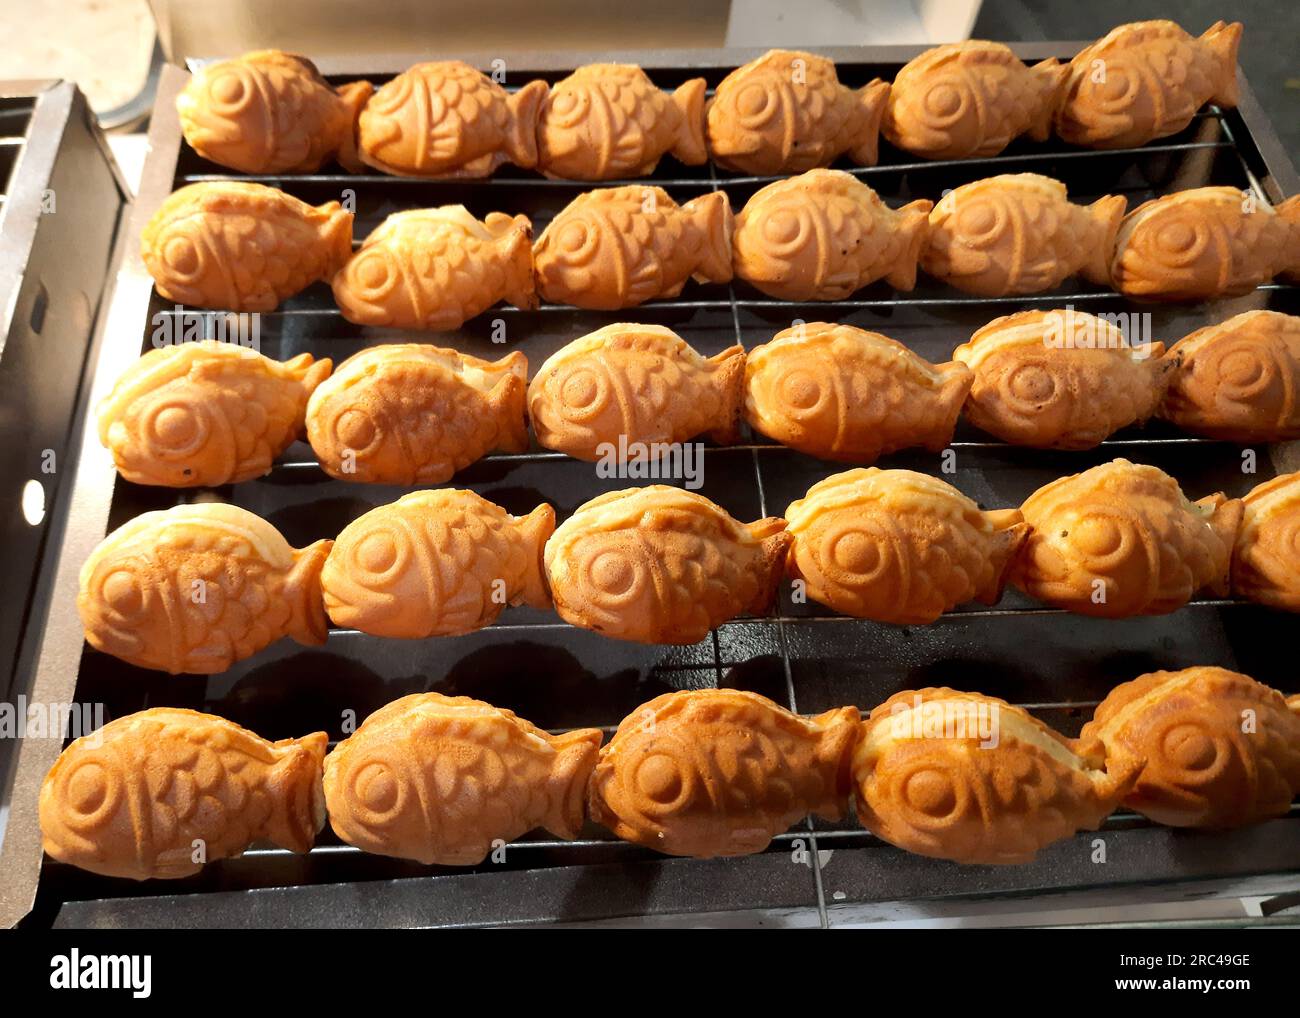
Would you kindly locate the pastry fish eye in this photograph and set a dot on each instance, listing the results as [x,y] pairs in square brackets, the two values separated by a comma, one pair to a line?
[1106,539]
[568,108]
[981,222]
[1029,387]
[584,392]
[859,551]
[380,554]
[661,781]
[577,240]
[1245,370]
[931,794]
[373,273]
[787,230]
[1179,241]
[803,394]
[376,791]
[122,589]
[756,103]
[946,101]
[175,428]
[1198,752]
[614,577]
[182,254]
[356,430]
[91,791]
[1118,90]
[231,91]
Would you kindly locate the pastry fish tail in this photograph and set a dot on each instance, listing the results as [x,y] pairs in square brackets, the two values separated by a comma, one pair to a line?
[1222,40]
[302,590]
[295,784]
[309,373]
[776,541]
[354,96]
[508,402]
[576,755]
[1225,520]
[711,215]
[1098,241]
[515,233]
[1293,703]
[535,530]
[948,401]
[336,232]
[1289,213]
[842,728]
[1049,78]
[1123,768]
[912,226]
[871,99]
[688,145]
[521,138]
[729,379]
[1010,533]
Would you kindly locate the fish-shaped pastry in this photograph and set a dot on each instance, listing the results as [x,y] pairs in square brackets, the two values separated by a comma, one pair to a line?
[720,772]
[617,247]
[661,565]
[1016,233]
[970,100]
[643,383]
[1061,379]
[445,779]
[842,393]
[1206,242]
[435,563]
[787,112]
[1239,381]
[1266,559]
[409,413]
[195,588]
[446,119]
[1146,80]
[205,414]
[437,268]
[606,121]
[271,112]
[162,792]
[235,246]
[973,779]
[825,234]
[898,546]
[1122,539]
[1221,749]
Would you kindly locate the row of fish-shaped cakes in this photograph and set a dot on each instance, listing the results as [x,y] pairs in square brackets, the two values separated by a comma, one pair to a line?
[269,112]
[703,773]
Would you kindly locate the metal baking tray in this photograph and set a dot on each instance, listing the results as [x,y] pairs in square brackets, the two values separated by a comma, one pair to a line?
[1057,665]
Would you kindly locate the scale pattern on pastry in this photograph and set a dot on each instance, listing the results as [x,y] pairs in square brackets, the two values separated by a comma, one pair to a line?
[234,246]
[1146,80]
[437,268]
[970,99]
[720,772]
[440,779]
[409,413]
[842,393]
[1122,539]
[617,247]
[898,546]
[196,588]
[606,121]
[641,383]
[825,234]
[1016,233]
[661,565]
[1061,379]
[1221,750]
[205,414]
[446,119]
[787,112]
[435,563]
[973,779]
[162,792]
[1266,559]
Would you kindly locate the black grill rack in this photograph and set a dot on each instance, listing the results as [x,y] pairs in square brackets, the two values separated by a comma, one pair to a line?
[1057,665]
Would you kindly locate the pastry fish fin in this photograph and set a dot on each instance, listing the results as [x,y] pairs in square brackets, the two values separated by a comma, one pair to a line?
[1104,216]
[688,145]
[872,99]
[1049,76]
[913,227]
[711,215]
[1222,41]
[354,95]
[535,530]
[302,589]
[575,759]
[729,379]
[521,140]
[1010,534]
[295,784]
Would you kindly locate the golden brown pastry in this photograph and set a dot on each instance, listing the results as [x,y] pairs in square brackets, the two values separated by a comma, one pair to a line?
[720,772]
[606,121]
[898,546]
[617,247]
[1060,379]
[642,384]
[437,268]
[842,393]
[1016,233]
[446,119]
[1238,381]
[439,779]
[1203,243]
[787,112]
[408,413]
[1122,539]
[1146,80]
[661,565]
[973,779]
[970,99]
[162,792]
[205,414]
[435,563]
[242,247]
[1266,559]
[825,234]
[1221,749]
[196,588]
[271,112]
